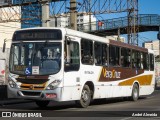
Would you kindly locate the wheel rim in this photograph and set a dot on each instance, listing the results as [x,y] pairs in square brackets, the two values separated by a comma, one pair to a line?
[85,96]
[135,93]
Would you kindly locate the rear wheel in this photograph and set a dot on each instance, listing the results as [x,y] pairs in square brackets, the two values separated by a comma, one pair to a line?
[85,97]
[42,104]
[135,93]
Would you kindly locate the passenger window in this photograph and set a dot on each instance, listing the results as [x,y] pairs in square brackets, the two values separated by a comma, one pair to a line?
[87,51]
[114,56]
[98,53]
[145,61]
[125,57]
[71,56]
[141,61]
[151,62]
[138,60]
[134,59]
[104,54]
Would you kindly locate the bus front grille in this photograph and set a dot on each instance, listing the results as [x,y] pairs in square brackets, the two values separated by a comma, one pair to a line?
[28,93]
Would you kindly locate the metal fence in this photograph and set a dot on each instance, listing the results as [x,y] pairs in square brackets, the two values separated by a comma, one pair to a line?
[143,20]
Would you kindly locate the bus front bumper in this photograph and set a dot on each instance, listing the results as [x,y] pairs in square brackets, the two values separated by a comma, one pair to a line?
[36,94]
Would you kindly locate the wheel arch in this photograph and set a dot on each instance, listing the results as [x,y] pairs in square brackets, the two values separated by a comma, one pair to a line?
[136,82]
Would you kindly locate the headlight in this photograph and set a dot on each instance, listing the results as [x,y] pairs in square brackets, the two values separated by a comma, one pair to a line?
[53,85]
[12,84]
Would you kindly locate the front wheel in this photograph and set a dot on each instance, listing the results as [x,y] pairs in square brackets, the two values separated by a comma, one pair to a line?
[42,104]
[135,93]
[85,97]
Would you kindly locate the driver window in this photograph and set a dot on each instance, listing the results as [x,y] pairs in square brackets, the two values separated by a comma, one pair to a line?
[71,56]
[16,55]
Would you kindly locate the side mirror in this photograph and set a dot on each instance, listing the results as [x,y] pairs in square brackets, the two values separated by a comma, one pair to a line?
[4,46]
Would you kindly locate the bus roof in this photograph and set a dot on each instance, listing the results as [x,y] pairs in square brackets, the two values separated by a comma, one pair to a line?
[92,37]
[86,36]
[73,33]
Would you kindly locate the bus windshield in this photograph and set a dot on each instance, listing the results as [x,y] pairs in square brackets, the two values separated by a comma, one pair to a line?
[38,58]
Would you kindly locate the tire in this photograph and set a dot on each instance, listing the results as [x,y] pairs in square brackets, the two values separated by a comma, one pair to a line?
[135,93]
[85,97]
[42,104]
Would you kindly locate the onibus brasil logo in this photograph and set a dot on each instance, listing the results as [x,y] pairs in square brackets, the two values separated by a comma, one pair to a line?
[111,74]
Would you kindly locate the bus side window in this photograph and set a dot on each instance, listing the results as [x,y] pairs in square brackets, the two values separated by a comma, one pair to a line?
[151,62]
[98,53]
[125,57]
[134,59]
[104,54]
[145,61]
[87,52]
[138,60]
[141,61]
[114,56]
[71,56]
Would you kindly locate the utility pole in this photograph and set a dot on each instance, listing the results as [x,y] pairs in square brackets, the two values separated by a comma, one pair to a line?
[133,28]
[73,16]
[45,14]
[90,27]
[118,39]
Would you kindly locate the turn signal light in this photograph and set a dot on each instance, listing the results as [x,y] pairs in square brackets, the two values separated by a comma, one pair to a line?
[51,95]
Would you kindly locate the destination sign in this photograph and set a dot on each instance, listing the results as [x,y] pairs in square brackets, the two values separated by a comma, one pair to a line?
[19,67]
[37,34]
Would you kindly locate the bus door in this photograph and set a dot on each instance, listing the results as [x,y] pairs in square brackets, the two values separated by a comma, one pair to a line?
[71,69]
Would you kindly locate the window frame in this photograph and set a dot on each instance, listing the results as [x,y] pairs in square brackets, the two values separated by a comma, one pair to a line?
[114,62]
[126,55]
[151,62]
[91,51]
[95,54]
[68,67]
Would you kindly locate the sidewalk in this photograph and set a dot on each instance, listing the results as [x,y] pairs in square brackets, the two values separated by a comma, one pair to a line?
[13,101]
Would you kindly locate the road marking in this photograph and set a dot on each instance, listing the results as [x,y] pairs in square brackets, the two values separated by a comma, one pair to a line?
[126,118]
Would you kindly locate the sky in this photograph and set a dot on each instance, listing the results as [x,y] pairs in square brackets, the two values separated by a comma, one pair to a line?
[149,7]
[145,7]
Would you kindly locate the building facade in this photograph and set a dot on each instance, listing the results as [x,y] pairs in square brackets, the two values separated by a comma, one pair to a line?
[116,38]
[153,45]
[82,21]
[30,14]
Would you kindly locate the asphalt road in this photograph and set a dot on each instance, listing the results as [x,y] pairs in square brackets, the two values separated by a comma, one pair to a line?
[110,108]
